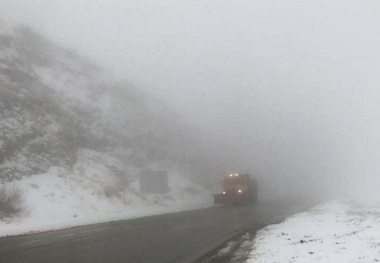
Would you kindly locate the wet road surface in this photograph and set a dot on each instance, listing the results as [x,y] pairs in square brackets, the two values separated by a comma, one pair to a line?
[178,237]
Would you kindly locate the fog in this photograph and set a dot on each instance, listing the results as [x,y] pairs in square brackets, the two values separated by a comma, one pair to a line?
[290,88]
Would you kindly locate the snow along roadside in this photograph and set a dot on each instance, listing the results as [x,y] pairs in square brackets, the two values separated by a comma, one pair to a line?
[54,201]
[332,232]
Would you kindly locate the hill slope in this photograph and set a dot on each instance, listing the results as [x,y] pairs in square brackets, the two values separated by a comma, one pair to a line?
[75,141]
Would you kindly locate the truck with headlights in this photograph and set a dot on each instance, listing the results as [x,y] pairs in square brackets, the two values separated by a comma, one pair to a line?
[237,189]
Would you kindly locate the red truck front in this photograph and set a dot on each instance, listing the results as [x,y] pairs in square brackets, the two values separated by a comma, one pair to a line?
[237,189]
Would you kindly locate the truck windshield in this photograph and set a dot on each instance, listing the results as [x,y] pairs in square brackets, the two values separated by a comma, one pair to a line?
[234,180]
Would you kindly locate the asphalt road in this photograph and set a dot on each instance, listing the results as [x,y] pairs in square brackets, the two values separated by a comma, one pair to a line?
[178,237]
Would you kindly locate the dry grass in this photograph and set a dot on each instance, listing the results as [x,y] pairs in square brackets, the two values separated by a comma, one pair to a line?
[119,187]
[112,191]
[11,201]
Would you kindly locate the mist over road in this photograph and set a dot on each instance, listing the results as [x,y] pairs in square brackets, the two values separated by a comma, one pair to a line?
[178,237]
[287,91]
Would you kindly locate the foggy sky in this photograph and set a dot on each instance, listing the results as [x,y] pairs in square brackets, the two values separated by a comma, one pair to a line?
[291,86]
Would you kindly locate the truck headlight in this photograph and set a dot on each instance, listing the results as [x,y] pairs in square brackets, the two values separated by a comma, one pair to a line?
[239,191]
[224,193]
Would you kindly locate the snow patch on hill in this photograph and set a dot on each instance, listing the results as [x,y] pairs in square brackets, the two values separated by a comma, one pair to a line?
[90,194]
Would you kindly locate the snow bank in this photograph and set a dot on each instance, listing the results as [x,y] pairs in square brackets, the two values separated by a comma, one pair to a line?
[56,200]
[333,232]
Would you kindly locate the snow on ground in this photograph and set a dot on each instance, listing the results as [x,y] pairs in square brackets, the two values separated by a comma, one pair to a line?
[332,232]
[90,195]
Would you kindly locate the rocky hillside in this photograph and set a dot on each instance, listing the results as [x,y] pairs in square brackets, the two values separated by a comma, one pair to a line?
[55,105]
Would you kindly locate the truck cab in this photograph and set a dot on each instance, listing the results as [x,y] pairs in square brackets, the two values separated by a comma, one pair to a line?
[237,189]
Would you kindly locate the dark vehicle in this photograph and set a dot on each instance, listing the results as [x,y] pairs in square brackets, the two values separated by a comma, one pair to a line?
[237,189]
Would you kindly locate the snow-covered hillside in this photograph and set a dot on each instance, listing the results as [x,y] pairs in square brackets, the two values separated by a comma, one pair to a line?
[90,195]
[74,141]
[333,232]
